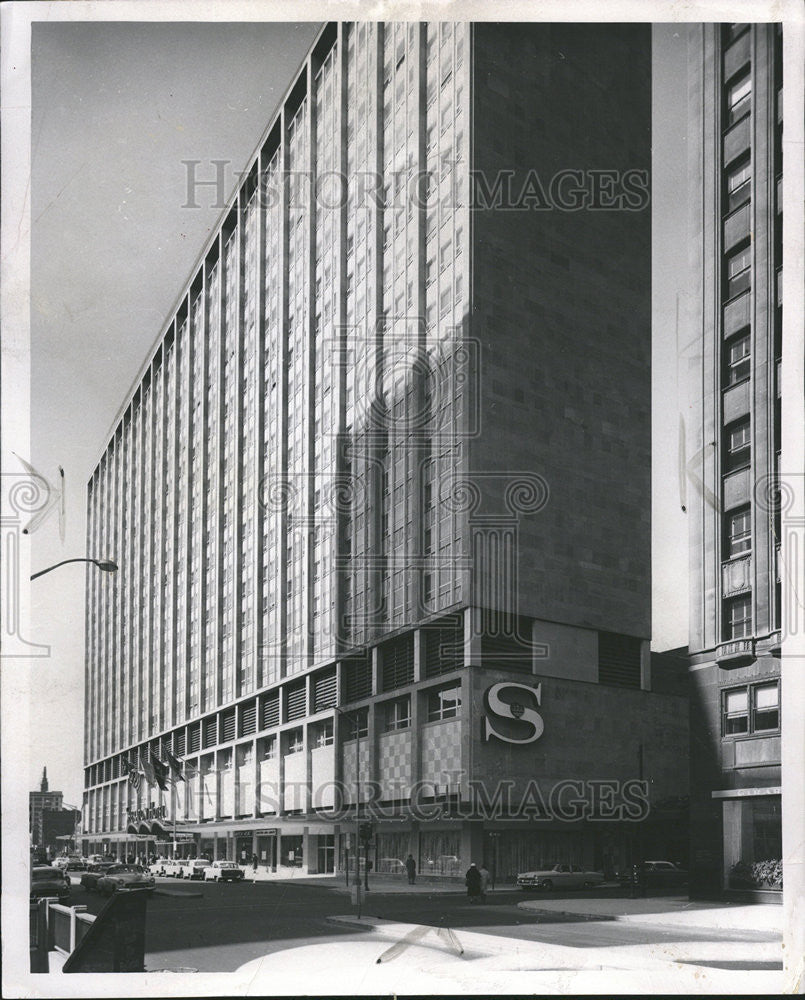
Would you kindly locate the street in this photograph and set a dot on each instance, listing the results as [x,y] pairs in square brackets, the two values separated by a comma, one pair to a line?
[218,927]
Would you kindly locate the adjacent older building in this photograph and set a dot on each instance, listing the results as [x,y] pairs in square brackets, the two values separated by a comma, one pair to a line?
[736,529]
[380,495]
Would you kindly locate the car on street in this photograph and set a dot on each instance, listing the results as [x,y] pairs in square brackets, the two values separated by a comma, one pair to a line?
[47,881]
[223,871]
[193,868]
[657,875]
[95,870]
[120,877]
[558,876]
[76,864]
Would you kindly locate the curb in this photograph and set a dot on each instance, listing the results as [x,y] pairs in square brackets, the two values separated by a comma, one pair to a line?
[654,919]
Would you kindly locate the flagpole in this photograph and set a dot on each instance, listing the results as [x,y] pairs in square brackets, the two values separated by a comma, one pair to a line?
[173,811]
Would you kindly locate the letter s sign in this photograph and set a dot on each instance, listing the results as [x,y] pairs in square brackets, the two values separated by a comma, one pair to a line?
[522,713]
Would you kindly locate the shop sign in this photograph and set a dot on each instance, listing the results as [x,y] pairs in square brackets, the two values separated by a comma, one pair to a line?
[151,812]
[267,833]
[521,709]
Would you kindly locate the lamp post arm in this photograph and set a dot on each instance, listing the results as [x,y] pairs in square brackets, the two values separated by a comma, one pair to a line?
[103,564]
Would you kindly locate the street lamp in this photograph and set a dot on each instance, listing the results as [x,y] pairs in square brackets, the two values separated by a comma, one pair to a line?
[357,728]
[105,565]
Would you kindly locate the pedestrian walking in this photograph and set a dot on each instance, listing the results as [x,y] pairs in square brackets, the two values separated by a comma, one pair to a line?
[473,882]
[254,862]
[410,867]
[484,873]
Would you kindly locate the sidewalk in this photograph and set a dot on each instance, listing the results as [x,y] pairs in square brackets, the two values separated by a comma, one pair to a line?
[377,883]
[676,911]
[504,965]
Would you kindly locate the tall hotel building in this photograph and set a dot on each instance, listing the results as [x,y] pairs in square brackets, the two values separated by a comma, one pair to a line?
[380,496]
[734,447]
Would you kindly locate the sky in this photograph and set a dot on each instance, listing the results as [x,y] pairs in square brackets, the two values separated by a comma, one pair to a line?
[116,109]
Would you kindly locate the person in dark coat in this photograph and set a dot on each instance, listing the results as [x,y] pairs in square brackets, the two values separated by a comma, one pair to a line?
[473,881]
[410,867]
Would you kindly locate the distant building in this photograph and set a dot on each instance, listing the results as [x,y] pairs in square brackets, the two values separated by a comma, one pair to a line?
[38,802]
[380,495]
[734,449]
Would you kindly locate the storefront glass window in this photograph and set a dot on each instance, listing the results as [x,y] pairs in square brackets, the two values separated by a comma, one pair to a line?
[440,853]
[753,843]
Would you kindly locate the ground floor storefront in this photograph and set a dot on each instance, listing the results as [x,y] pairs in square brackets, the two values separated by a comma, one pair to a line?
[442,848]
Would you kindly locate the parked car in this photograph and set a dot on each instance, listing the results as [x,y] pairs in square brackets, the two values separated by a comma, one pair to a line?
[559,876]
[193,868]
[60,862]
[223,871]
[119,877]
[390,866]
[76,864]
[49,881]
[657,875]
[89,880]
[159,866]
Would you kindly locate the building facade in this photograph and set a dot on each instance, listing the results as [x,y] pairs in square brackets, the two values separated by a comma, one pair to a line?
[736,525]
[380,496]
[38,802]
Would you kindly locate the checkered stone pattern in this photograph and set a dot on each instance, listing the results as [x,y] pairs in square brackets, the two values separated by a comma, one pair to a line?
[348,770]
[395,765]
[441,752]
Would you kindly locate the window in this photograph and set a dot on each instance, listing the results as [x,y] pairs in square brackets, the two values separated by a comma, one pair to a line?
[739,272]
[738,617]
[753,708]
[765,707]
[739,98]
[738,184]
[295,742]
[444,703]
[736,712]
[739,532]
[737,445]
[323,734]
[397,714]
[737,358]
[355,724]
[732,30]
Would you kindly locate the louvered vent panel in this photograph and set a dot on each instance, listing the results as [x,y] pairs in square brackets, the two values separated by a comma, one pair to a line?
[618,660]
[248,718]
[271,710]
[324,691]
[398,662]
[295,702]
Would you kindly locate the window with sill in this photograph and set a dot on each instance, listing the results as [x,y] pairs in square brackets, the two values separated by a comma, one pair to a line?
[397,715]
[739,182]
[739,532]
[737,358]
[738,272]
[738,617]
[737,445]
[444,703]
[739,97]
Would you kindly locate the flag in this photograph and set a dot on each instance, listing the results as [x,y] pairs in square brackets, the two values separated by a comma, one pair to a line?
[148,771]
[160,773]
[175,765]
[133,773]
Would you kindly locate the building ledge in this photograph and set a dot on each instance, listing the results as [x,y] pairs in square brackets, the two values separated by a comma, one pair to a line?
[736,653]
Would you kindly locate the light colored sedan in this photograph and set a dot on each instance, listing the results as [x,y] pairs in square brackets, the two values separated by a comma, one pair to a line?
[559,876]
[223,871]
[120,877]
[193,868]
